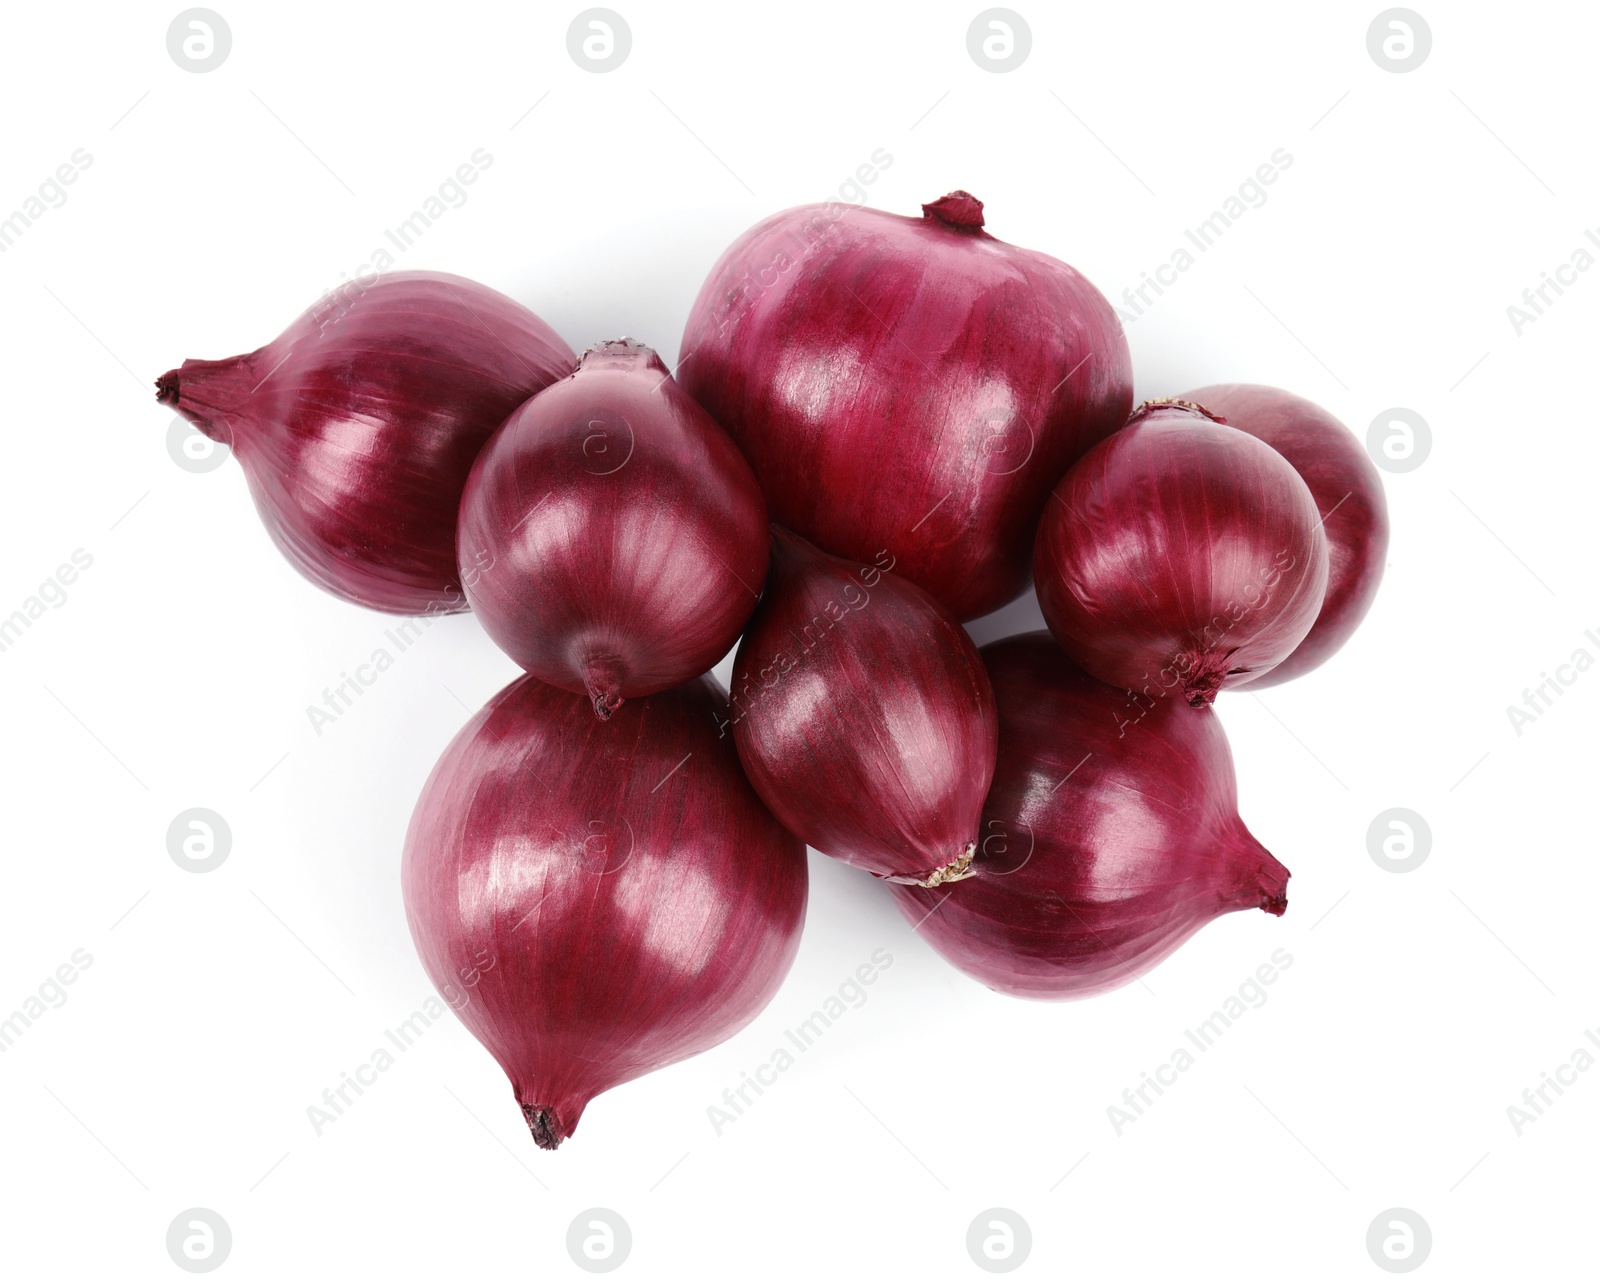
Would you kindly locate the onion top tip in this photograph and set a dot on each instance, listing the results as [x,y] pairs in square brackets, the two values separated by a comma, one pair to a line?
[602,682]
[1204,678]
[1193,407]
[1270,891]
[547,1131]
[205,393]
[621,353]
[960,210]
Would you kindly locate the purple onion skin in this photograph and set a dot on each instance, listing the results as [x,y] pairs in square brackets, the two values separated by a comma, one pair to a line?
[356,427]
[1349,496]
[907,385]
[863,715]
[1180,557]
[1111,835]
[599,899]
[613,541]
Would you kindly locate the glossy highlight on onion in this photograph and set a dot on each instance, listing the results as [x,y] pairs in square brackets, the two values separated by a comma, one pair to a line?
[863,715]
[1180,557]
[1111,834]
[613,541]
[909,386]
[357,426]
[598,899]
[1349,496]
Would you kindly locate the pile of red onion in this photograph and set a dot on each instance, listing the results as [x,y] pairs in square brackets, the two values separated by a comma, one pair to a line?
[880,427]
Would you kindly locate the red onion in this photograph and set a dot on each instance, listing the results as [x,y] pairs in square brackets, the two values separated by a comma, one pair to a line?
[909,385]
[357,425]
[863,716]
[612,538]
[1348,494]
[1180,555]
[1110,836]
[598,900]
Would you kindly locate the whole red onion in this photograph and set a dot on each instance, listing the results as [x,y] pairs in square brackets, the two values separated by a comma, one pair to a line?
[1348,494]
[357,425]
[1180,556]
[863,716]
[598,900]
[907,385]
[612,538]
[1111,835]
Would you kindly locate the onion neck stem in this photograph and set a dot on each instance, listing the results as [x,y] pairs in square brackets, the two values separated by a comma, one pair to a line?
[544,1127]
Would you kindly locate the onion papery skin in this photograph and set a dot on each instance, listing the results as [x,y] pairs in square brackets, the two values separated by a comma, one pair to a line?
[599,899]
[905,385]
[357,426]
[1349,496]
[613,540]
[863,715]
[1111,835]
[1180,557]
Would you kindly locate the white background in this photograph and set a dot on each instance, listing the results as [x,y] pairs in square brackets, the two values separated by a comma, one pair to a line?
[178,671]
